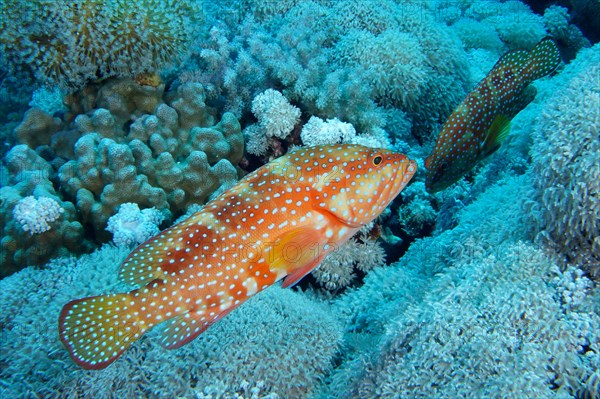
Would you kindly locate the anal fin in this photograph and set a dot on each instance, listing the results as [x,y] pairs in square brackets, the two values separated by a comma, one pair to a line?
[186,327]
[183,329]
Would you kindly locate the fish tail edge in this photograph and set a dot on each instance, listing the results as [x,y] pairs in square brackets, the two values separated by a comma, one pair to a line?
[97,330]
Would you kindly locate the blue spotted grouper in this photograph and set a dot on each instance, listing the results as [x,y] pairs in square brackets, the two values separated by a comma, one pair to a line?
[276,223]
[482,121]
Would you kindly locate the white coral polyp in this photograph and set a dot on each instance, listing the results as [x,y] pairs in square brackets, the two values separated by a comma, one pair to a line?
[276,116]
[35,215]
[318,132]
[130,226]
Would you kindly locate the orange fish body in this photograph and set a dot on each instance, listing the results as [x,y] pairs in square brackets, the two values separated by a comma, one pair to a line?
[276,223]
[479,124]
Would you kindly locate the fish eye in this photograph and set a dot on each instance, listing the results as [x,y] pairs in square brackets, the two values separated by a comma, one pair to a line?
[377,160]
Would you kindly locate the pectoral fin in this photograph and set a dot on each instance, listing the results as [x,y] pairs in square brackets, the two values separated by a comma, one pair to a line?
[296,253]
[496,134]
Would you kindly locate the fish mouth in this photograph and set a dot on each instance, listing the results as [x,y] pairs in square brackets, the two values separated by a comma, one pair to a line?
[402,176]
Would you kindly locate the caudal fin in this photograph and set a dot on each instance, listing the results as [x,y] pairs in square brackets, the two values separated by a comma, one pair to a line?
[543,59]
[97,330]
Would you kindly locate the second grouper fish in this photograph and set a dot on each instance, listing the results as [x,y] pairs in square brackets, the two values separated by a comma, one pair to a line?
[277,222]
[477,127]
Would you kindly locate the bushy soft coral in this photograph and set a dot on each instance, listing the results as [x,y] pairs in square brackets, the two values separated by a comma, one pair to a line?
[338,268]
[276,120]
[276,116]
[565,164]
[35,214]
[132,226]
[319,132]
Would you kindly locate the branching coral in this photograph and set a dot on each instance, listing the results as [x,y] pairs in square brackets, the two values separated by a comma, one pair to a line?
[69,42]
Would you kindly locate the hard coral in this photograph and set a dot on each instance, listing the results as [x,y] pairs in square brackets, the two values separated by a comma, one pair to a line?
[122,142]
[69,42]
[37,223]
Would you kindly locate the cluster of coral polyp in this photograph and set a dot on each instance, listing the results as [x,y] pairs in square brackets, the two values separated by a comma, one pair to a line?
[119,142]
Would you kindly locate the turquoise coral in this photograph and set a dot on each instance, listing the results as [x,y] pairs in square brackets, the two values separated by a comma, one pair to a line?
[565,156]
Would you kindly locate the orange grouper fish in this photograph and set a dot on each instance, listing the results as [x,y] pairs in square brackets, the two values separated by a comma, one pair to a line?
[276,223]
[477,127]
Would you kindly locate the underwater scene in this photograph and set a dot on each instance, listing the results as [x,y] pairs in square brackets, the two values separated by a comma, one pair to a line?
[321,199]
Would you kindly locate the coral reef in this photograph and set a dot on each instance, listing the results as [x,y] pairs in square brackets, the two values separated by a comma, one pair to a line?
[496,291]
[476,311]
[139,148]
[68,43]
[565,162]
[247,345]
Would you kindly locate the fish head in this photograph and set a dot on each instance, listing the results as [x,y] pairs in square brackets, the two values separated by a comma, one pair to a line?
[453,157]
[442,172]
[356,183]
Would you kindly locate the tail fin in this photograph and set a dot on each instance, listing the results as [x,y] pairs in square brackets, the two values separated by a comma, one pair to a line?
[97,330]
[543,59]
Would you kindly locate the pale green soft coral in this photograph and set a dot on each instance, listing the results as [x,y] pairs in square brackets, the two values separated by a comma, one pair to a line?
[394,63]
[67,43]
